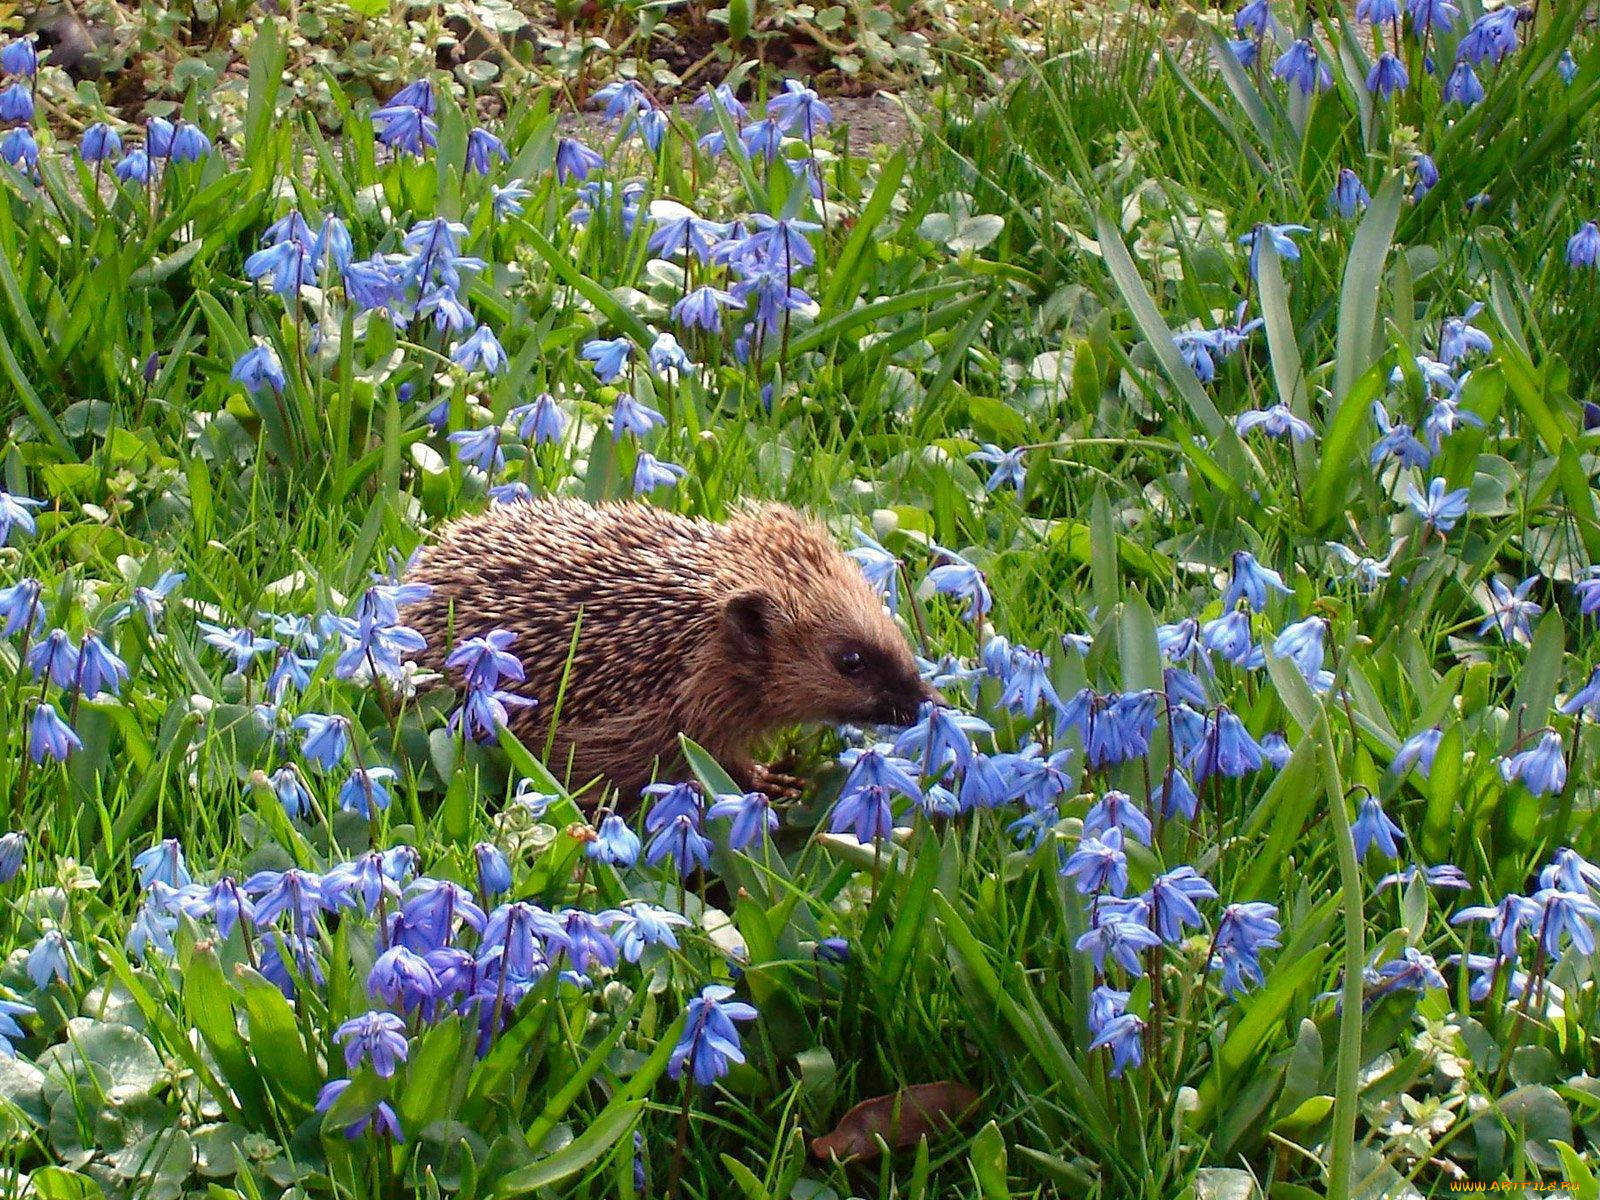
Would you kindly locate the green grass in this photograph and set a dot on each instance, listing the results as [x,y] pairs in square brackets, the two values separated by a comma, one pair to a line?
[933,334]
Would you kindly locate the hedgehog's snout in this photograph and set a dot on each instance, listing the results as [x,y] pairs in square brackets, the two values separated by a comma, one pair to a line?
[901,703]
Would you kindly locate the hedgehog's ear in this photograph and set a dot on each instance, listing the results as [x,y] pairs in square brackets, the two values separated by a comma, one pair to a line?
[748,621]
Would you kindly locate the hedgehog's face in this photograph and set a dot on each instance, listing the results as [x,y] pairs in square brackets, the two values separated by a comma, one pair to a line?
[846,663]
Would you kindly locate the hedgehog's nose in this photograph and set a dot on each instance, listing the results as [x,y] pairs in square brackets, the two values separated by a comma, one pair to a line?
[932,695]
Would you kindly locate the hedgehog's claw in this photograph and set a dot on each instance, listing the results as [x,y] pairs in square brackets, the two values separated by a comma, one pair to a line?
[776,784]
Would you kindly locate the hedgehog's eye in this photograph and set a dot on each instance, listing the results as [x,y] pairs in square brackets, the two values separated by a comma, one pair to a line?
[849,662]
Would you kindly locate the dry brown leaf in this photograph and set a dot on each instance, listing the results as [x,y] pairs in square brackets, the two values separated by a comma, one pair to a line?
[901,1119]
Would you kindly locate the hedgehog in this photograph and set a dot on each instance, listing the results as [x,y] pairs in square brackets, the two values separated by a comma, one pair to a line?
[635,625]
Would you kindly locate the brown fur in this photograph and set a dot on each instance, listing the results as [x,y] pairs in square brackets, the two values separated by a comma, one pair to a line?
[721,632]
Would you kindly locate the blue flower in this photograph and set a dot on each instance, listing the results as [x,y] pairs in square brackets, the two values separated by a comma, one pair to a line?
[1512,612]
[630,416]
[55,657]
[762,139]
[1120,932]
[1438,508]
[574,160]
[364,790]
[621,98]
[1413,971]
[445,307]
[752,818]
[403,977]
[1541,768]
[479,448]
[243,643]
[641,925]
[878,766]
[667,358]
[1281,238]
[99,142]
[1567,67]
[16,105]
[1427,176]
[702,308]
[1418,750]
[1350,195]
[189,143]
[327,738]
[13,852]
[1396,440]
[614,844]
[1171,900]
[797,107]
[541,421]
[134,167]
[1243,932]
[52,960]
[1009,469]
[290,788]
[1378,12]
[1178,796]
[482,351]
[1507,920]
[333,243]
[19,57]
[10,1030]
[1249,582]
[1457,338]
[650,473]
[152,600]
[294,892]
[482,146]
[1226,748]
[19,148]
[608,357]
[882,570]
[406,129]
[375,1037]
[49,736]
[721,97]
[682,842]
[1302,644]
[961,579]
[494,872]
[1462,86]
[1256,19]
[1444,875]
[1565,916]
[162,863]
[1099,864]
[381,1116]
[259,368]
[99,669]
[1300,65]
[1124,1036]
[1491,38]
[16,512]
[676,234]
[507,201]
[709,1042]
[1117,810]
[1583,248]
[865,812]
[1245,51]
[941,737]
[1372,827]
[1427,15]
[1276,421]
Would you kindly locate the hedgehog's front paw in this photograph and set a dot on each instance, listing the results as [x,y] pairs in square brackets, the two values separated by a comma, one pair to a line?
[776,784]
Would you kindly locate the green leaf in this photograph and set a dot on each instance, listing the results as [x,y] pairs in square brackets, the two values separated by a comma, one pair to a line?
[1361,288]
[599,1136]
[988,1159]
[275,1041]
[1156,333]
